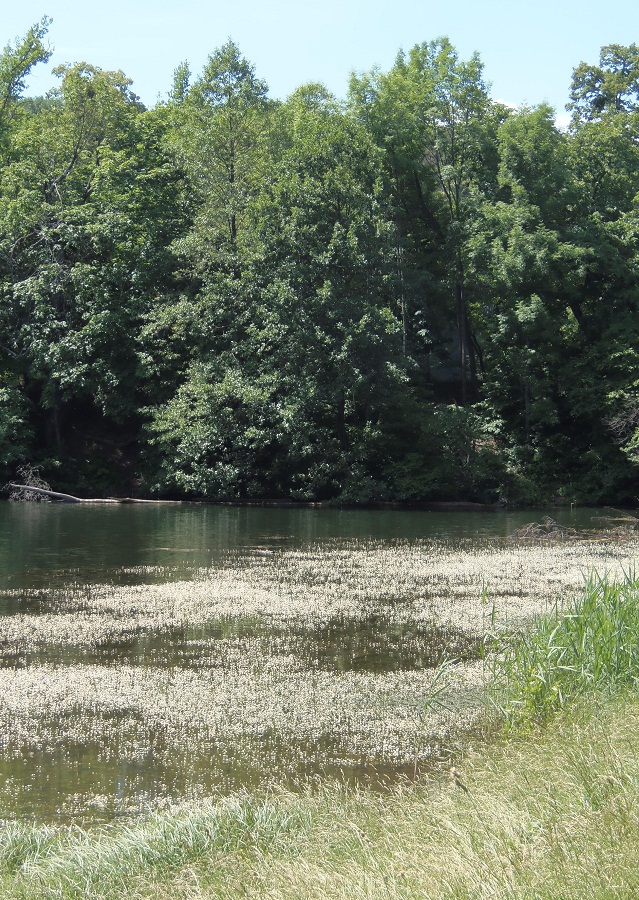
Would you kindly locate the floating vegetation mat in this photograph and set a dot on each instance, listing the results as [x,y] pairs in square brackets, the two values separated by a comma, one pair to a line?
[280,667]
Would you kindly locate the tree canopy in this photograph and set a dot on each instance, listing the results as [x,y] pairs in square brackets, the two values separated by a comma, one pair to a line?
[415,294]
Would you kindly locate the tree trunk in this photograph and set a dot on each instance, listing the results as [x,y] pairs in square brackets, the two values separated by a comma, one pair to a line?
[69,498]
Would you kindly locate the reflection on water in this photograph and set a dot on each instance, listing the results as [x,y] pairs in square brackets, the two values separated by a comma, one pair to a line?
[46,543]
[142,697]
[86,783]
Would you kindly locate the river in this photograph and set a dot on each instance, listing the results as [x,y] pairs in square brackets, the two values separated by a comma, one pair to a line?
[155,654]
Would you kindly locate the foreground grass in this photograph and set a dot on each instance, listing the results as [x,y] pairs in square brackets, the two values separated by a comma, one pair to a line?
[549,811]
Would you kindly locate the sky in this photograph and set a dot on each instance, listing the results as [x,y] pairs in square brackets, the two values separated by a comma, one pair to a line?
[529,47]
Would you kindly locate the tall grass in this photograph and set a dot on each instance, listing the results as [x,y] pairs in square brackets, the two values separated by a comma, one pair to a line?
[590,645]
[39,861]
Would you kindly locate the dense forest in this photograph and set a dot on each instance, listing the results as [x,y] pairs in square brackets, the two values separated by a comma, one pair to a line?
[413,294]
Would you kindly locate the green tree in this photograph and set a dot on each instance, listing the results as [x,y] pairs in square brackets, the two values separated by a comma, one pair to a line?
[219,132]
[555,259]
[217,129]
[16,62]
[610,87]
[292,394]
[83,207]
[432,113]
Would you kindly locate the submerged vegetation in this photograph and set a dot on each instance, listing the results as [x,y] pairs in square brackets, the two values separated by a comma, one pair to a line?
[278,668]
[274,724]
[555,815]
[413,294]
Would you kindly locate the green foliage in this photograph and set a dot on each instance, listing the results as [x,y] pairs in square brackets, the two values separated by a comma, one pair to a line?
[432,116]
[610,87]
[555,284]
[590,646]
[16,62]
[451,455]
[218,127]
[215,432]
[15,432]
[297,356]
[532,162]
[82,247]
[242,297]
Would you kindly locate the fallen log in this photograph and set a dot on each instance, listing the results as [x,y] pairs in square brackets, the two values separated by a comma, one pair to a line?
[54,495]
[69,498]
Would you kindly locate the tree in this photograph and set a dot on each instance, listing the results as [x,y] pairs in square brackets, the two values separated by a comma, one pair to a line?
[291,393]
[16,61]
[432,113]
[218,132]
[610,87]
[555,259]
[84,204]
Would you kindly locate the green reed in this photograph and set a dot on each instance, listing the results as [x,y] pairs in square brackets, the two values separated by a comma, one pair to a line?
[590,645]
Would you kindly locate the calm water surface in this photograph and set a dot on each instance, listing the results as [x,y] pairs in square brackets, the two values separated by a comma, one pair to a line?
[48,543]
[94,761]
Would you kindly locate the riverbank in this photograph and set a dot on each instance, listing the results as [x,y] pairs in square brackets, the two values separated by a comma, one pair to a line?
[550,814]
[548,807]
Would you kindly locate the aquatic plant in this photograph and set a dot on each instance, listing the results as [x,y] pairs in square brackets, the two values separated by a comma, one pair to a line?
[282,667]
[590,645]
[550,817]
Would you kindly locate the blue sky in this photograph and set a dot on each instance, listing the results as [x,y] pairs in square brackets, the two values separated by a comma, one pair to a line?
[529,49]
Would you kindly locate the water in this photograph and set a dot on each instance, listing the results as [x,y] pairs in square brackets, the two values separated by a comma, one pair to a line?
[151,654]
[48,543]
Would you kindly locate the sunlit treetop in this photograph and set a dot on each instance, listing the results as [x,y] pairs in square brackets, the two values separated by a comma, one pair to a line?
[610,87]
